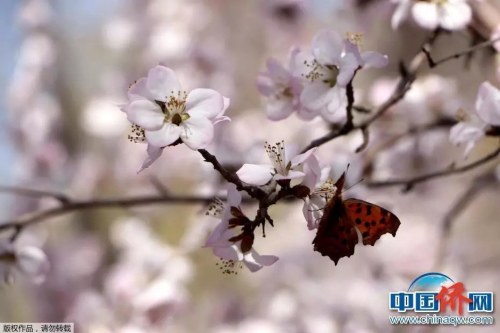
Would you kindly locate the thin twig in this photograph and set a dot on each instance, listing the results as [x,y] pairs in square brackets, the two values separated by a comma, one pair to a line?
[433,63]
[409,183]
[62,198]
[478,185]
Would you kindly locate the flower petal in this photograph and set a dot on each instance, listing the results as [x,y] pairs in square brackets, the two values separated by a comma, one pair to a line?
[401,13]
[255,261]
[302,157]
[153,154]
[279,108]
[265,85]
[338,103]
[232,252]
[220,235]
[488,104]
[292,174]
[374,59]
[426,15]
[327,47]
[139,90]
[313,210]
[255,174]
[206,103]
[233,195]
[455,15]
[146,114]
[162,82]
[197,132]
[276,71]
[221,117]
[165,136]
[312,172]
[316,95]
[466,133]
[347,67]
[32,262]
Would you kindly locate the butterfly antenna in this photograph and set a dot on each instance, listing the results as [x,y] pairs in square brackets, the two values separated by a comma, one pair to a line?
[347,189]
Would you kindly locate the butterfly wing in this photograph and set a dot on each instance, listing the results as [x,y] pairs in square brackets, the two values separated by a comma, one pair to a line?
[336,236]
[371,220]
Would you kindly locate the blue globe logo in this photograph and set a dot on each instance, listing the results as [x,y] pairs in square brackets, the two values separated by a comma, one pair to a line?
[430,282]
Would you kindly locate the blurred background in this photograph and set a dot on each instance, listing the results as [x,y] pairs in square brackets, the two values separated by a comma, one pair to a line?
[65,68]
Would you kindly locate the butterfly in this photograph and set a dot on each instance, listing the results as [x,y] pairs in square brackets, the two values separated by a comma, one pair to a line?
[336,236]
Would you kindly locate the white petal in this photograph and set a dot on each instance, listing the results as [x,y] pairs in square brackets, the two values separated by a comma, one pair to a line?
[291,151]
[292,59]
[33,263]
[313,210]
[162,82]
[347,67]
[229,253]
[166,135]
[465,132]
[401,13]
[153,154]
[255,261]
[219,236]
[315,95]
[146,114]
[292,174]
[327,47]
[488,104]
[426,15]
[353,49]
[139,90]
[221,117]
[255,174]
[279,108]
[307,114]
[455,15]
[302,157]
[333,111]
[197,132]
[207,103]
[265,85]
[233,195]
[312,172]
[374,59]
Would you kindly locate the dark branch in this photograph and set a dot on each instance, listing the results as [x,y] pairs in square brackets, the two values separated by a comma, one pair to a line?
[409,183]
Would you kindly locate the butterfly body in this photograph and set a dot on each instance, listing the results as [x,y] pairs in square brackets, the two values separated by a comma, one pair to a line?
[337,236]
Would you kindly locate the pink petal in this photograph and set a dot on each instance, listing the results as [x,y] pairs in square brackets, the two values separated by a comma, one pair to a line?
[374,59]
[426,15]
[255,261]
[139,90]
[206,103]
[276,71]
[220,235]
[255,174]
[146,114]
[337,102]
[233,195]
[265,85]
[327,47]
[302,157]
[347,67]
[162,82]
[33,263]
[488,104]
[312,172]
[315,95]
[229,253]
[197,132]
[153,154]
[292,59]
[279,108]
[455,15]
[291,151]
[313,210]
[165,136]
[353,49]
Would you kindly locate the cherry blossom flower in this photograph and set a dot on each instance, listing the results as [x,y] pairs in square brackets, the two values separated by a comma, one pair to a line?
[316,180]
[164,112]
[487,114]
[155,152]
[222,238]
[327,70]
[30,261]
[282,87]
[283,161]
[447,14]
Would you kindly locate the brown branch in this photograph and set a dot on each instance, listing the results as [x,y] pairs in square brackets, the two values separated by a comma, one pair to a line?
[62,198]
[404,84]
[72,206]
[433,63]
[409,183]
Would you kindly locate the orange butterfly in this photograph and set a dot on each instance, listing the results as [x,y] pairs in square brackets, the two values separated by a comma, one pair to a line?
[337,237]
